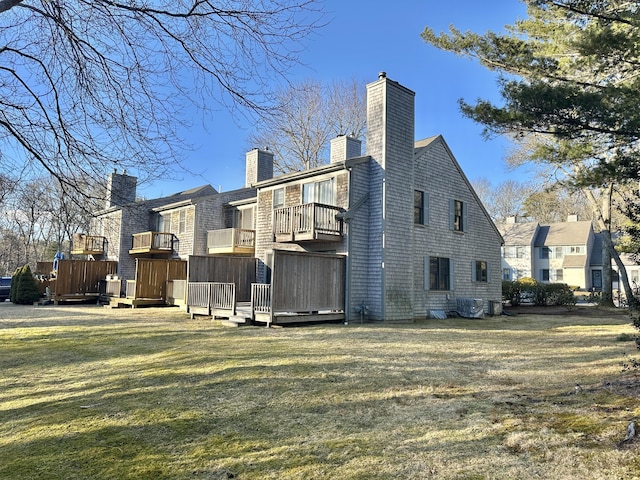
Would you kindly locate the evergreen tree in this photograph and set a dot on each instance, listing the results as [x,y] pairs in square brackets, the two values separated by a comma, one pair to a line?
[568,79]
[26,288]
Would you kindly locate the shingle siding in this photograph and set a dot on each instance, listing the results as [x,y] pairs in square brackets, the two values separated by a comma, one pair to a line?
[438,174]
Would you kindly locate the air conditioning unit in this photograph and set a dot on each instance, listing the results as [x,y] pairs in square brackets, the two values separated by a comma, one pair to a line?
[470,307]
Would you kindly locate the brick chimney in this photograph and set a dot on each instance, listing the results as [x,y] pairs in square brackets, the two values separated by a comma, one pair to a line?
[259,166]
[344,147]
[121,189]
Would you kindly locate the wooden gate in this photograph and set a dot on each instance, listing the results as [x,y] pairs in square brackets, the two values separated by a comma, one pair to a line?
[79,279]
[152,275]
[305,287]
[240,271]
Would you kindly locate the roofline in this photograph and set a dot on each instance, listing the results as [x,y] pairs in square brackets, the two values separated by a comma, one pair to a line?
[312,172]
[434,139]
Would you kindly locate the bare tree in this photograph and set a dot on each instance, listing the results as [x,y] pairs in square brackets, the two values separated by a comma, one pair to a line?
[503,200]
[312,113]
[89,86]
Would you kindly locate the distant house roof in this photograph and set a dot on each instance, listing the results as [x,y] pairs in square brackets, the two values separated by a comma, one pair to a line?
[564,233]
[574,261]
[195,192]
[518,233]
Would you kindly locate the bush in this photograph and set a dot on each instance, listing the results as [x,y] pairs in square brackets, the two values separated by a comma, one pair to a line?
[511,292]
[560,294]
[26,289]
[540,293]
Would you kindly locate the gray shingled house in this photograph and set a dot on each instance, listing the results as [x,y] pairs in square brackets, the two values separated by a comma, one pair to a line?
[414,234]
[411,236]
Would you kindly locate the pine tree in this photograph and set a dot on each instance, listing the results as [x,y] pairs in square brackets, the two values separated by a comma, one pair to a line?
[568,80]
[26,289]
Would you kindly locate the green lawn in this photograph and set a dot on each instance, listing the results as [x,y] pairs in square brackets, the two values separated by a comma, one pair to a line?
[93,393]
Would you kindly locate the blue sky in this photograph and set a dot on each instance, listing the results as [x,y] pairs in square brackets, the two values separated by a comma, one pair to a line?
[362,39]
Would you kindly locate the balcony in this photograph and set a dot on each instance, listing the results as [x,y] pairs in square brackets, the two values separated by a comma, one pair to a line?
[88,244]
[231,241]
[308,222]
[152,243]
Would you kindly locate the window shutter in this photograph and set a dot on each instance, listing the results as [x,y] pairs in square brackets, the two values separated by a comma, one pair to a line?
[451,214]
[426,273]
[452,278]
[426,208]
[464,217]
[474,273]
[488,272]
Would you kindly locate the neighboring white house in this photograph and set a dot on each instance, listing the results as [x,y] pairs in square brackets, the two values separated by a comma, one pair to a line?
[563,252]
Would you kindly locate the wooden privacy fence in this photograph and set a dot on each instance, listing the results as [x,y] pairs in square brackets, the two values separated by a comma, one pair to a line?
[304,287]
[152,275]
[211,298]
[241,271]
[80,277]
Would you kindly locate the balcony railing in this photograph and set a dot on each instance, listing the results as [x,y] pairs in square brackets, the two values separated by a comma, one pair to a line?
[88,244]
[231,240]
[307,222]
[152,243]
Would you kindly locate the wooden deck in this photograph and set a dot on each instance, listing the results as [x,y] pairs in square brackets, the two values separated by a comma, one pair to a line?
[76,298]
[136,302]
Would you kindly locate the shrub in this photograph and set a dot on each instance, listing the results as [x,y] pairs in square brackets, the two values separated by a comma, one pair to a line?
[560,294]
[26,289]
[511,292]
[540,293]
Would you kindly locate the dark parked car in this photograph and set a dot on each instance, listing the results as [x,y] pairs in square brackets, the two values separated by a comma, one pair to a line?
[5,287]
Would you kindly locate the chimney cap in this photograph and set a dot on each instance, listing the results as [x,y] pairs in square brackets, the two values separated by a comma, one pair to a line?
[382,75]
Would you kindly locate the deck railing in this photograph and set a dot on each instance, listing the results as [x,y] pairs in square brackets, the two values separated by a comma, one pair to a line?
[88,243]
[260,298]
[311,218]
[212,295]
[231,238]
[152,241]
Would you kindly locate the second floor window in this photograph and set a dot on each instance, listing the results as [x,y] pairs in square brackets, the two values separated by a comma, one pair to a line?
[243,218]
[420,207]
[278,198]
[319,192]
[164,223]
[182,221]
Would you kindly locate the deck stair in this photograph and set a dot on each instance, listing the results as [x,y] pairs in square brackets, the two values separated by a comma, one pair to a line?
[241,317]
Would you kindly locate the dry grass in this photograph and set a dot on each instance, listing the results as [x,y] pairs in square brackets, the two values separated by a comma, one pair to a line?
[87,392]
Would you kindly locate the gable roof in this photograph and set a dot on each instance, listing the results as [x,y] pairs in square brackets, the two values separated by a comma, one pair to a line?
[563,233]
[424,145]
[519,233]
[194,192]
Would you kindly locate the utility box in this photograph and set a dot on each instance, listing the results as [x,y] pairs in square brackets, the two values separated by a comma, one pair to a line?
[470,307]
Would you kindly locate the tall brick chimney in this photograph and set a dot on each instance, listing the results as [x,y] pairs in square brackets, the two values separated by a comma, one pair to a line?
[121,189]
[259,166]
